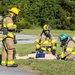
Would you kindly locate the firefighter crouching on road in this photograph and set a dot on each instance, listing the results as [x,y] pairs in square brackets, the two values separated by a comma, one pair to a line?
[68,45]
[8,37]
[45,42]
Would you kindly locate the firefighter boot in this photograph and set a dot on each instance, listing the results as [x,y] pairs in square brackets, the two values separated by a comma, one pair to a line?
[13,65]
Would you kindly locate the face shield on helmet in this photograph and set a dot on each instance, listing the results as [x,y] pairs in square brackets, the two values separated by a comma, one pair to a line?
[14,19]
[63,38]
[46,30]
[13,16]
[47,33]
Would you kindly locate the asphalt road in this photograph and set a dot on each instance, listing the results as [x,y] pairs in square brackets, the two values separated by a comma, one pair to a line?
[26,39]
[14,71]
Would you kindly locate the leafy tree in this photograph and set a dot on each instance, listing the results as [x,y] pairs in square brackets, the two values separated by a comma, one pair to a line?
[59,14]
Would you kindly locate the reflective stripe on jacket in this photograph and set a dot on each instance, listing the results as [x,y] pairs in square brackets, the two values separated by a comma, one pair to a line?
[10,62]
[9,26]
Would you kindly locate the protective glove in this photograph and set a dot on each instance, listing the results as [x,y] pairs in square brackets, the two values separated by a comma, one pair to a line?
[58,57]
[53,52]
[39,50]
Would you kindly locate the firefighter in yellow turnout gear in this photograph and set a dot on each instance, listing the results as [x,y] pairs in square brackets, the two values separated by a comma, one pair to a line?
[68,44]
[45,41]
[8,38]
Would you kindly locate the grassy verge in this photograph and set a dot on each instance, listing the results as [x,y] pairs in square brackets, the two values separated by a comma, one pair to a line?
[54,32]
[46,67]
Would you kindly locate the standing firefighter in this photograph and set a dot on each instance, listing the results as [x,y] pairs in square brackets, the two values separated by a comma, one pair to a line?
[8,37]
[68,45]
[45,42]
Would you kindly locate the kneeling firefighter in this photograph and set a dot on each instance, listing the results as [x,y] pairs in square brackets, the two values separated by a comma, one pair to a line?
[8,37]
[45,42]
[68,45]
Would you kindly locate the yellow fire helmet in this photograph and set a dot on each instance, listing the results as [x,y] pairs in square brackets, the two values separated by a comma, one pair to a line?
[45,27]
[14,10]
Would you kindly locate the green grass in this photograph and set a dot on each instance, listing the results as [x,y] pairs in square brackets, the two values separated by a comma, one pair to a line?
[25,49]
[45,67]
[31,31]
[54,32]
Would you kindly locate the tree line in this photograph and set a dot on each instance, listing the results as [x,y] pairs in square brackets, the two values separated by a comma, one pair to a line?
[59,14]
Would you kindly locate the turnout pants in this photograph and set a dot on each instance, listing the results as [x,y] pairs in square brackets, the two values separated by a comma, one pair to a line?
[70,57]
[7,51]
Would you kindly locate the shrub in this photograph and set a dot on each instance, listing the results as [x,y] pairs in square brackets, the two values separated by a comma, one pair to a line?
[22,23]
